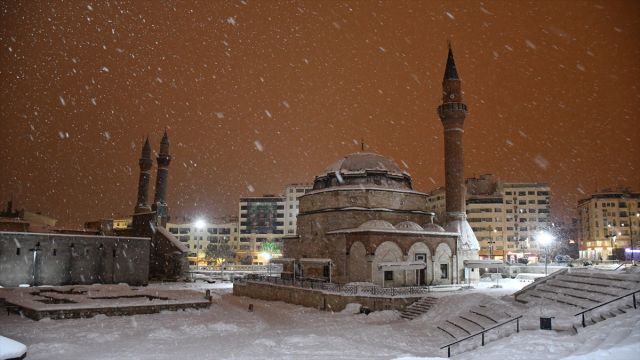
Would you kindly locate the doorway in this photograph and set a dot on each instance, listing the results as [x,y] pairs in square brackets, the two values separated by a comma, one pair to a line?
[421,274]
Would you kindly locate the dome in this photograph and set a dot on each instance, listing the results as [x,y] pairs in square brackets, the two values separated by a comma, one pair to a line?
[361,162]
[376,225]
[409,225]
[364,169]
[433,227]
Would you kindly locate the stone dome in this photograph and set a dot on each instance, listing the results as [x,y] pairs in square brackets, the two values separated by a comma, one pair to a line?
[376,225]
[433,227]
[409,225]
[364,169]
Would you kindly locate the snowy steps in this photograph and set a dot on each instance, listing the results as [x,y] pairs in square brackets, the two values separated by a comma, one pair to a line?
[477,319]
[582,289]
[418,308]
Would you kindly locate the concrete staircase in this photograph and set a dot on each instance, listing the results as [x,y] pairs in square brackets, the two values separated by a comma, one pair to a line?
[418,308]
[477,319]
[581,289]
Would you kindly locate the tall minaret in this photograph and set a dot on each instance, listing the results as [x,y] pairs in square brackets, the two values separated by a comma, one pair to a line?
[159,202]
[145,163]
[452,113]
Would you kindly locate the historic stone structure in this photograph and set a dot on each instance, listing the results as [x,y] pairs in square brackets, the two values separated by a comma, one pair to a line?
[134,255]
[364,223]
[60,259]
[452,113]
[346,231]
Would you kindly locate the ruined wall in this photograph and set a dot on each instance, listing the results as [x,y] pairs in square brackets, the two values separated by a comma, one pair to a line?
[316,298]
[62,259]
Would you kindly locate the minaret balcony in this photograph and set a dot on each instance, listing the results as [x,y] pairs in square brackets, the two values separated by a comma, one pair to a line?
[452,106]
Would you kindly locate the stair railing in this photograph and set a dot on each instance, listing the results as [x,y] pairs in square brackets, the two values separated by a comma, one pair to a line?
[516,319]
[632,294]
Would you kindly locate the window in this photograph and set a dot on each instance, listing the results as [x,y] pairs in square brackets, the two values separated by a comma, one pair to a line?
[388,275]
[55,252]
[531,192]
[444,271]
[18,251]
[173,230]
[522,193]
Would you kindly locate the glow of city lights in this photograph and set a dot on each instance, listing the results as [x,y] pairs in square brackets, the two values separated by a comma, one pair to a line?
[200,224]
[544,238]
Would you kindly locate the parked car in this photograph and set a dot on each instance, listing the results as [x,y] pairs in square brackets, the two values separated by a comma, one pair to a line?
[203,277]
[523,261]
[11,349]
[561,259]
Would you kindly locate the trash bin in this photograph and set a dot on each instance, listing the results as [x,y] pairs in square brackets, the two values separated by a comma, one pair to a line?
[545,323]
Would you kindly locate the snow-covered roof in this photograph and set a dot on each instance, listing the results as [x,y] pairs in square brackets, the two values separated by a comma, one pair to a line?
[433,227]
[401,265]
[376,224]
[364,161]
[483,263]
[408,225]
[169,236]
[363,188]
[315,260]
[468,240]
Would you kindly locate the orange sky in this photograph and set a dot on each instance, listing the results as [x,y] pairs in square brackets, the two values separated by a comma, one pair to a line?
[552,89]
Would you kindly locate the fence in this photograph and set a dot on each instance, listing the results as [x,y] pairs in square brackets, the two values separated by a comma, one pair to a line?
[345,289]
[481,333]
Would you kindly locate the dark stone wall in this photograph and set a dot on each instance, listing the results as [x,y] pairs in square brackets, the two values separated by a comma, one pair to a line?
[62,259]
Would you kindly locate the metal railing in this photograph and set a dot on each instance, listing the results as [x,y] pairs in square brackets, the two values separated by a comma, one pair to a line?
[320,284]
[516,319]
[632,294]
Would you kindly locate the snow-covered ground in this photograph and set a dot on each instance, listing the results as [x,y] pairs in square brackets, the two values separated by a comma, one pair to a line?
[276,330]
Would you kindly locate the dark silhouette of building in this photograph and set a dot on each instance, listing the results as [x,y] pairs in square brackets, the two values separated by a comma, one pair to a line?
[159,202]
[145,163]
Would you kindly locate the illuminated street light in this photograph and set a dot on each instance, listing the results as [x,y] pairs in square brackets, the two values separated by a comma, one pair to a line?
[199,225]
[267,257]
[544,238]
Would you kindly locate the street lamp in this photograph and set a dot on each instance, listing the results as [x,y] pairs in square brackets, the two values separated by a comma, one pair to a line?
[544,238]
[199,225]
[267,257]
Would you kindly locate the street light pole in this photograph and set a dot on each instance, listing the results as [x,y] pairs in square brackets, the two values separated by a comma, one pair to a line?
[199,225]
[544,238]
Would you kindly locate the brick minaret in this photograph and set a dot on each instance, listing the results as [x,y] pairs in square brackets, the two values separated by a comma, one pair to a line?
[452,113]
[145,163]
[159,202]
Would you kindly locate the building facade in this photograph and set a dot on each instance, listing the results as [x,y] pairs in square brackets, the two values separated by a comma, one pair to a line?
[292,206]
[363,222]
[505,216]
[197,237]
[261,228]
[609,225]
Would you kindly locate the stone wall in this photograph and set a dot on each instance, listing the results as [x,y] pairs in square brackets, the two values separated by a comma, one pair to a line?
[316,298]
[63,259]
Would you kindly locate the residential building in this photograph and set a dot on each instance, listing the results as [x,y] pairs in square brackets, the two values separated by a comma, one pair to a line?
[262,220]
[292,206]
[505,216]
[609,224]
[197,237]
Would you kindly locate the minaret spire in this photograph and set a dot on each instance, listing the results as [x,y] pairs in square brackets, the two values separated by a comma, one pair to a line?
[160,203]
[145,163]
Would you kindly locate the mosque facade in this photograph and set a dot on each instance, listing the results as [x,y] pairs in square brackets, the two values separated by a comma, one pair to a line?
[363,222]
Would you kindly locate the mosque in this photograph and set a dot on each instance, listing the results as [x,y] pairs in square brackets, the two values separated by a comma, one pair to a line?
[363,222]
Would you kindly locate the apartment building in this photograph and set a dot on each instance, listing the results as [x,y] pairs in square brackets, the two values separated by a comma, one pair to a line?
[291,206]
[609,225]
[262,220]
[198,234]
[505,216]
